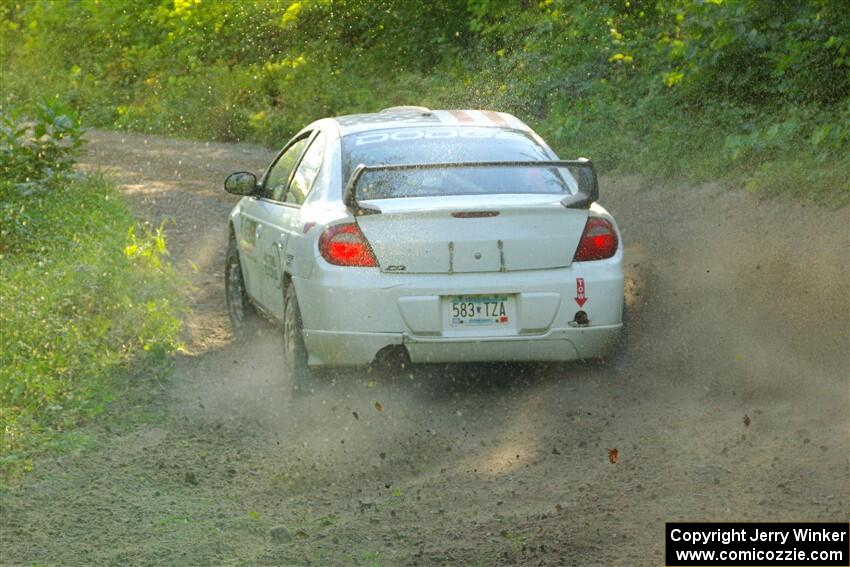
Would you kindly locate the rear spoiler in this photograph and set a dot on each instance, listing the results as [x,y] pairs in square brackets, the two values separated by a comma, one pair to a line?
[588,186]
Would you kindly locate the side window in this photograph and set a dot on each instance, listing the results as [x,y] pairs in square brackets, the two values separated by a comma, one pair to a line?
[279,174]
[307,171]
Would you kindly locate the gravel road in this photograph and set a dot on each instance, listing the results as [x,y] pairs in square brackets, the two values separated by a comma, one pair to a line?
[728,400]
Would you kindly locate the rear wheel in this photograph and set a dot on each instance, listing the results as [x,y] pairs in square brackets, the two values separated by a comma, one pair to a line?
[294,350]
[243,317]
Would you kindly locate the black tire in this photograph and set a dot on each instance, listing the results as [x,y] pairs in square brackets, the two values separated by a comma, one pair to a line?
[294,350]
[243,316]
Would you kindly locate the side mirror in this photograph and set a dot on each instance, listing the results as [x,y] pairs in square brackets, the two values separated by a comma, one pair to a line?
[241,183]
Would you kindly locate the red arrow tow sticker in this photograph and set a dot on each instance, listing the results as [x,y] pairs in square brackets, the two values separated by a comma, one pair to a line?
[580,298]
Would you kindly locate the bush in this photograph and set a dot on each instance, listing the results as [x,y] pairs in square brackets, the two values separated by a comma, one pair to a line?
[36,153]
[692,90]
[32,151]
[84,291]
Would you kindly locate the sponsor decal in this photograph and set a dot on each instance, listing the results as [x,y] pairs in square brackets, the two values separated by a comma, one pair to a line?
[432,133]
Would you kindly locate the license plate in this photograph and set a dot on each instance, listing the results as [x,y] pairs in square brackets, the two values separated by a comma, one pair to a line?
[479,311]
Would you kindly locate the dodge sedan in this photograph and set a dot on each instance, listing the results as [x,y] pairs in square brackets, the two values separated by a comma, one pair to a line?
[452,235]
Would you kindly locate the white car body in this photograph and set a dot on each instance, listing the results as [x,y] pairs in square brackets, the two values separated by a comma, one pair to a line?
[433,253]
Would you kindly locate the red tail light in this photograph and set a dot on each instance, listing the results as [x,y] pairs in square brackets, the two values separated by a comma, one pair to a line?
[598,241]
[345,245]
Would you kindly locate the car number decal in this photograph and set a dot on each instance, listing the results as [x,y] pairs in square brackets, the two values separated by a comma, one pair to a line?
[271,266]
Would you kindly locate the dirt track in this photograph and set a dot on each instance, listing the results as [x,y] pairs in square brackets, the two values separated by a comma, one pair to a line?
[737,308]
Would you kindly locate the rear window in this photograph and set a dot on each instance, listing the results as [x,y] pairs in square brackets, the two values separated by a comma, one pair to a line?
[465,180]
[450,145]
[436,144]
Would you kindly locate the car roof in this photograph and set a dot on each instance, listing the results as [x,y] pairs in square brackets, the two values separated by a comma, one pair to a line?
[407,116]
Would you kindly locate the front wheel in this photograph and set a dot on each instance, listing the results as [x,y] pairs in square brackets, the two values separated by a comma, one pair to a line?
[240,310]
[294,350]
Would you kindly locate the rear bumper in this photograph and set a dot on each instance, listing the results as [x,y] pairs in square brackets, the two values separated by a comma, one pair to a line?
[351,314]
[356,348]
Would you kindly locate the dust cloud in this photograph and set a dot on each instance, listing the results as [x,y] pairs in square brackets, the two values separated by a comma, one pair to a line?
[726,400]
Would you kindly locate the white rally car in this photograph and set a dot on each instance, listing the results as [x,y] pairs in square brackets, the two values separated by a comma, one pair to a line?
[456,235]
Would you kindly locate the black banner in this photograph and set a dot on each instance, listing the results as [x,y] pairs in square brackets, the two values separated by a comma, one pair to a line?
[761,544]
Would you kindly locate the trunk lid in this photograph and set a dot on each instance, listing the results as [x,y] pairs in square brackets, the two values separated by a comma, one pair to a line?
[472,233]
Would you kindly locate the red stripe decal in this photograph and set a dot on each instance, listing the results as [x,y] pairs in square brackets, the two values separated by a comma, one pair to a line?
[462,116]
[495,118]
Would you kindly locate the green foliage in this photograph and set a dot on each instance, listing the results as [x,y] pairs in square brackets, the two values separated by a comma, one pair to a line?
[756,52]
[83,292]
[36,153]
[662,87]
[34,149]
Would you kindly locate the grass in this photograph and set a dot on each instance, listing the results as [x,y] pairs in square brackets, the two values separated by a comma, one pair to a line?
[87,302]
[795,153]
